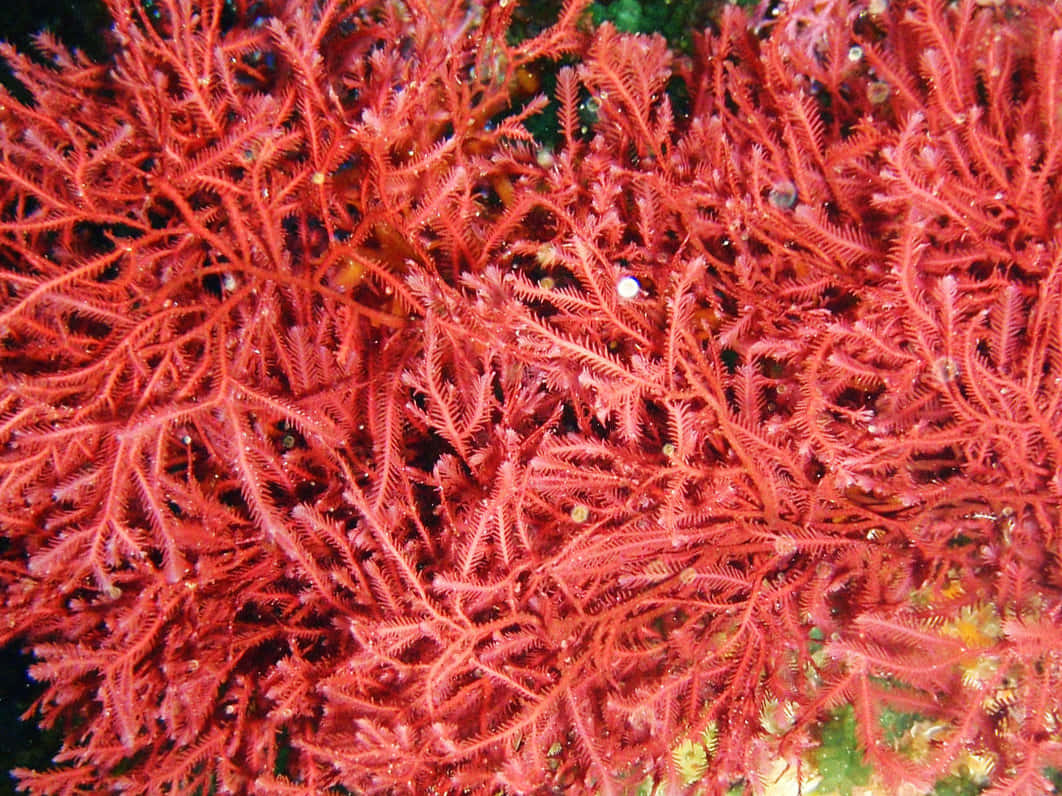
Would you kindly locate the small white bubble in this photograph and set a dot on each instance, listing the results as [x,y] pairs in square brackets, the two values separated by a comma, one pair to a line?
[628,287]
[783,194]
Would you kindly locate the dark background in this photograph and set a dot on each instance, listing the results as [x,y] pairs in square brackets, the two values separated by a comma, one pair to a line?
[77,23]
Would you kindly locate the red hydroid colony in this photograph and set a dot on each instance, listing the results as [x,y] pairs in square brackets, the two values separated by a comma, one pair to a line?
[352,438]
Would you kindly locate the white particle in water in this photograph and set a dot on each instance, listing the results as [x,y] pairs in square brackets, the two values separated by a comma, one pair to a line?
[628,287]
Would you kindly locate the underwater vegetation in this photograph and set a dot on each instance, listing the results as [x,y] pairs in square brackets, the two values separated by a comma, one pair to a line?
[354,438]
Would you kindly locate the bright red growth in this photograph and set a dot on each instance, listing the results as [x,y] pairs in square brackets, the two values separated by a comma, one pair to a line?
[351,437]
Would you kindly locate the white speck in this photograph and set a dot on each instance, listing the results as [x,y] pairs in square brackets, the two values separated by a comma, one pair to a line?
[628,288]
